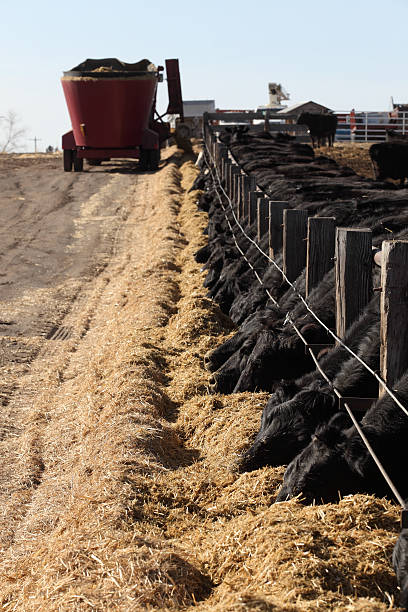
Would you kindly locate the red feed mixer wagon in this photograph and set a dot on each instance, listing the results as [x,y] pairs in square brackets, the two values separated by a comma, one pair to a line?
[112,106]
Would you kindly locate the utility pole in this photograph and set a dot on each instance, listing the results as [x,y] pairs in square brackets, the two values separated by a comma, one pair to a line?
[35,140]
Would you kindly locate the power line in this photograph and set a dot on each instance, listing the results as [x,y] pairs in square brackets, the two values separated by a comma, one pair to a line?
[35,140]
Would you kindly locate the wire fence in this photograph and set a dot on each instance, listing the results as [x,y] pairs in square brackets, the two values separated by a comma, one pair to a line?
[219,189]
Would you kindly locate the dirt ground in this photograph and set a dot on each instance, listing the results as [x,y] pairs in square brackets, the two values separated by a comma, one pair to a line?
[116,485]
[57,233]
[353,155]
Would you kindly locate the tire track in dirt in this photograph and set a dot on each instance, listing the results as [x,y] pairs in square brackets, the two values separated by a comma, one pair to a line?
[50,335]
[86,398]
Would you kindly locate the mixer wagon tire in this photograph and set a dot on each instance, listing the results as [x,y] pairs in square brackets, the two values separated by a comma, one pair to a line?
[149,159]
[183,131]
[182,136]
[78,163]
[144,159]
[154,159]
[67,156]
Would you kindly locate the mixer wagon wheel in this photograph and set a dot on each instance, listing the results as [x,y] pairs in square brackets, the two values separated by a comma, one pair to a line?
[183,130]
[182,136]
[144,159]
[154,159]
[149,159]
[68,160]
[78,162]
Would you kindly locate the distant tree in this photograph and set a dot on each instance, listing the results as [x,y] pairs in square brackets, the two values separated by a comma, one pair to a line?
[11,132]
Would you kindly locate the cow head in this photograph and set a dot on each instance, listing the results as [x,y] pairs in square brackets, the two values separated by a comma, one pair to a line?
[320,472]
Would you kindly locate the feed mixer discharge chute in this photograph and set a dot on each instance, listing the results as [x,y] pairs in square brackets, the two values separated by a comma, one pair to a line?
[112,107]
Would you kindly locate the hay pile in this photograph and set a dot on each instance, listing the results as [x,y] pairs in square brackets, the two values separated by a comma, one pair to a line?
[134,504]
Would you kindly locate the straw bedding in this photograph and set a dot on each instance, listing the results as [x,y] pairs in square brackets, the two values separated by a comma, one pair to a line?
[132,503]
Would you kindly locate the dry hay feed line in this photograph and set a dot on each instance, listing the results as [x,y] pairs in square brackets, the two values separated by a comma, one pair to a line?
[136,506]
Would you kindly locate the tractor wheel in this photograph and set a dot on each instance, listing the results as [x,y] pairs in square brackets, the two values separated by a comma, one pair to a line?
[67,157]
[78,163]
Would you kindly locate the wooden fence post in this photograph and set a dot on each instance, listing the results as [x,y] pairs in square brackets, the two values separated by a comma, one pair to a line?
[216,154]
[224,161]
[239,196]
[276,226]
[294,242]
[223,169]
[253,214]
[353,275]
[252,205]
[262,209]
[204,126]
[251,211]
[235,197]
[321,233]
[210,143]
[227,177]
[233,181]
[234,172]
[394,309]
[221,155]
[246,187]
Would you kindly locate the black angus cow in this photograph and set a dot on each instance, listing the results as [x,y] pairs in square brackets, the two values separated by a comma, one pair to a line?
[253,325]
[238,133]
[337,462]
[285,357]
[291,427]
[263,316]
[236,277]
[393,136]
[390,160]
[321,126]
[277,352]
[296,409]
[315,186]
[400,564]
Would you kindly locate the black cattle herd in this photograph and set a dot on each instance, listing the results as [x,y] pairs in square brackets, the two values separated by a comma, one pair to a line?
[302,425]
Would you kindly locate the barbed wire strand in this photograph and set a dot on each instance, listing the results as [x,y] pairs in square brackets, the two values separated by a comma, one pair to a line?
[319,368]
[299,295]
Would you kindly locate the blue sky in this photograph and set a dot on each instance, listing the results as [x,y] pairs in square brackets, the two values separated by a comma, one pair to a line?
[343,55]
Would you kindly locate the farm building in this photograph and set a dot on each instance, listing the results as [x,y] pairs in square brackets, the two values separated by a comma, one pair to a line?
[304,107]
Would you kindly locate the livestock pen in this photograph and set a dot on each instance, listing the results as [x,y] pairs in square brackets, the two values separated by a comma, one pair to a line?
[251,213]
[369,126]
[126,497]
